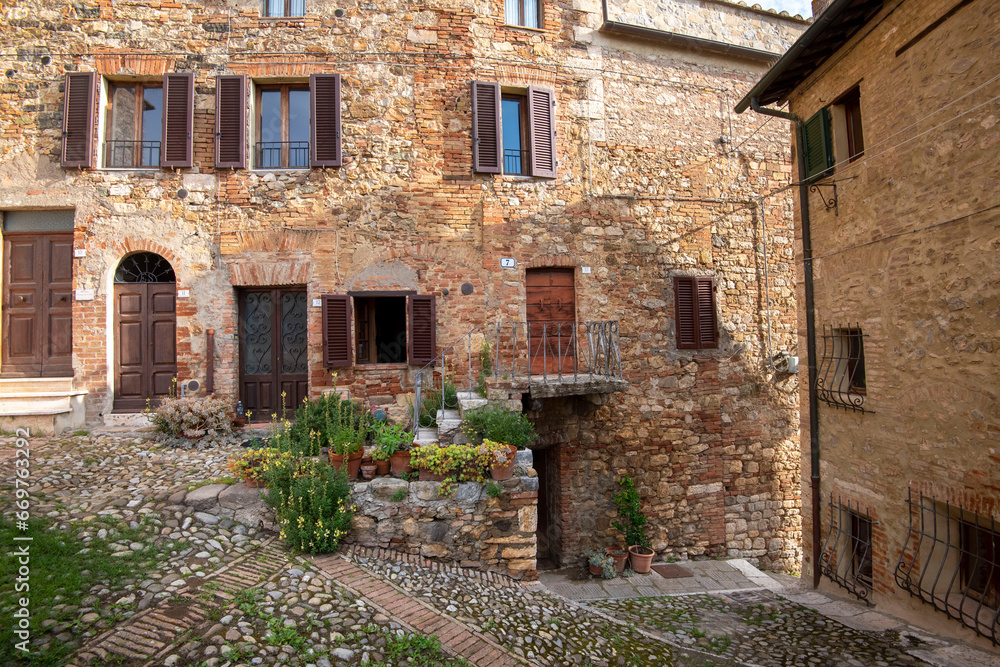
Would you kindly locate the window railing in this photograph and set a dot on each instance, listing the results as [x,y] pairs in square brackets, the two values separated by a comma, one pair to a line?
[840,377]
[124,153]
[514,160]
[951,560]
[847,552]
[282,154]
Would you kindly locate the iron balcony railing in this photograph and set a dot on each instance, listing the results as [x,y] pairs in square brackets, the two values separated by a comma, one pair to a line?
[282,154]
[514,160]
[122,153]
[535,352]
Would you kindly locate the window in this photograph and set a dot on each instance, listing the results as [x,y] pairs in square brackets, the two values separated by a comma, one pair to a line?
[389,327]
[513,131]
[135,124]
[694,312]
[981,563]
[525,13]
[281,8]
[861,544]
[282,127]
[841,379]
[296,125]
[847,551]
[848,138]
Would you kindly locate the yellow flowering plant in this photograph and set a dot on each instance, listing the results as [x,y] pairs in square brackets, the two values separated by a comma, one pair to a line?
[312,504]
[253,464]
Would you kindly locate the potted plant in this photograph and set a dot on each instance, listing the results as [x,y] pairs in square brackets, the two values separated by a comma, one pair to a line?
[499,456]
[632,524]
[448,465]
[368,469]
[252,464]
[347,453]
[620,556]
[600,564]
[392,444]
[432,462]
[381,460]
[346,430]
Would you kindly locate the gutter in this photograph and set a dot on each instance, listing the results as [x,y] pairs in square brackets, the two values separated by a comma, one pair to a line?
[807,264]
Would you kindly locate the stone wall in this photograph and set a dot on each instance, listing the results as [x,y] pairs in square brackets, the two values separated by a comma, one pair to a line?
[469,528]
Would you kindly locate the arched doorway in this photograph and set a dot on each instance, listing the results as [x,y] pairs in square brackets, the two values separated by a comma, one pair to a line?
[145,330]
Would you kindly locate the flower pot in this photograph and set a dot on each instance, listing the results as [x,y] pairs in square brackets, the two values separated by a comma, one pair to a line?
[595,570]
[253,483]
[620,556]
[239,422]
[641,558]
[352,461]
[382,467]
[505,471]
[400,462]
[368,470]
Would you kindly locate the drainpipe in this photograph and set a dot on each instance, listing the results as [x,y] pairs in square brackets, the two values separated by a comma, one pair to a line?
[807,265]
[210,361]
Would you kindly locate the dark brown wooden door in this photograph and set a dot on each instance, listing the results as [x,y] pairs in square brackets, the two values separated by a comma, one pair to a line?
[145,343]
[38,304]
[551,314]
[274,364]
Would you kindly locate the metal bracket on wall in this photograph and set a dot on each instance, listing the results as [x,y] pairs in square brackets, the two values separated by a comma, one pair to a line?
[828,202]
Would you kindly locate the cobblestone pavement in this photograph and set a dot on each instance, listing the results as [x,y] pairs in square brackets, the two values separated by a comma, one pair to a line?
[225,594]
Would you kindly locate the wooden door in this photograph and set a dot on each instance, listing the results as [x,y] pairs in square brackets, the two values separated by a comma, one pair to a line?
[145,343]
[274,365]
[551,314]
[38,304]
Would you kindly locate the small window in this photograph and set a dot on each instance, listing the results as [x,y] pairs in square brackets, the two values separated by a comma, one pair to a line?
[282,8]
[846,555]
[135,125]
[515,134]
[841,380]
[282,127]
[849,141]
[380,329]
[524,13]
[861,543]
[981,563]
[694,312]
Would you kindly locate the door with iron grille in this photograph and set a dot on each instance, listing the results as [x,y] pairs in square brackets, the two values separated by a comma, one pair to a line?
[274,366]
[551,315]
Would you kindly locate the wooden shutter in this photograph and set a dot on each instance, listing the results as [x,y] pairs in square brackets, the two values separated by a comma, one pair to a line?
[324,95]
[177,143]
[423,338]
[694,312]
[542,131]
[487,141]
[78,120]
[230,121]
[817,149]
[336,330]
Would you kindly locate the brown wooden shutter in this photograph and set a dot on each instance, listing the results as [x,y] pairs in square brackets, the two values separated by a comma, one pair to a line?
[487,140]
[542,131]
[78,120]
[423,325]
[177,142]
[336,330]
[325,140]
[230,121]
[694,310]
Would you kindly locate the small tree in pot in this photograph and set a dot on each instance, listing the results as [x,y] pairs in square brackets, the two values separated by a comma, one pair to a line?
[632,524]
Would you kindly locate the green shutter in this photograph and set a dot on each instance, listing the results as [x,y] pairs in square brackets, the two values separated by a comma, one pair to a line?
[817,149]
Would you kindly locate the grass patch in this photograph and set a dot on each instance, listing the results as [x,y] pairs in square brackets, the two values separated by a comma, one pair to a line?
[63,569]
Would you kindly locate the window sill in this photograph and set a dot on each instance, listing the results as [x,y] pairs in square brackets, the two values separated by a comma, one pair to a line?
[290,19]
[304,170]
[381,367]
[540,31]
[143,170]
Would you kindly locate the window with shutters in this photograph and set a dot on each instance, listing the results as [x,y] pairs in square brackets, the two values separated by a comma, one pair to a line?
[845,117]
[513,130]
[817,152]
[296,125]
[694,312]
[523,13]
[284,8]
[379,328]
[134,125]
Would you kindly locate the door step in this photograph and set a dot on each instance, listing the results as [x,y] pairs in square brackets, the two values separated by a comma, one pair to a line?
[43,405]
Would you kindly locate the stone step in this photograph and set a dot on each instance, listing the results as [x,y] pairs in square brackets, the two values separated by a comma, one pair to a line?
[28,385]
[49,407]
[466,404]
[426,436]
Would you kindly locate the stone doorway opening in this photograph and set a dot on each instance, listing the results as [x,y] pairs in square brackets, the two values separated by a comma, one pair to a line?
[549,531]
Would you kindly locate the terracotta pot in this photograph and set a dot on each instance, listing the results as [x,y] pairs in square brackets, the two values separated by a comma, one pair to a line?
[368,470]
[620,556]
[428,476]
[239,422]
[505,471]
[641,558]
[382,467]
[352,461]
[595,570]
[400,462]
[252,483]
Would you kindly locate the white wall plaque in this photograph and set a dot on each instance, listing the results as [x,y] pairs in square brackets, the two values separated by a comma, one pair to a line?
[507,263]
[85,294]
[79,252]
[585,269]
[317,303]
[183,293]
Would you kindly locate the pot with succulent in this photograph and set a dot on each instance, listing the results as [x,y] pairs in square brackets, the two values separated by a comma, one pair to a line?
[449,464]
[632,524]
[499,456]
[500,433]
[601,564]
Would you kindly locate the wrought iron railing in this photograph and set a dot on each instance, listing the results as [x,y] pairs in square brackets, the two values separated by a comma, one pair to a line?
[840,377]
[514,160]
[847,552]
[535,352]
[282,154]
[121,153]
[951,561]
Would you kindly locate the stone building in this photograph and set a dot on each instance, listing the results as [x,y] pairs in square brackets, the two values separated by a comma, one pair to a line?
[258,195]
[897,223]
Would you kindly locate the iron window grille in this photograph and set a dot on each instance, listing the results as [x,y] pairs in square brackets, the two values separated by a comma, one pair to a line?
[951,561]
[847,552]
[840,378]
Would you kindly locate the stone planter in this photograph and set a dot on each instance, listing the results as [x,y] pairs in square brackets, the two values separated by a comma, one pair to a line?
[641,558]
[352,461]
[428,476]
[400,462]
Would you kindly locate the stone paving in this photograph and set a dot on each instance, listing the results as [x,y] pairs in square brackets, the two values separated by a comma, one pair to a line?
[225,593]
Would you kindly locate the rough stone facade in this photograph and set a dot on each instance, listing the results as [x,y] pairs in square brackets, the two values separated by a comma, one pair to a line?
[908,257]
[469,528]
[656,179]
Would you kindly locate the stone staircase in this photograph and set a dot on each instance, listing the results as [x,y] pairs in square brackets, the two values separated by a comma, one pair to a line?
[42,405]
[449,422]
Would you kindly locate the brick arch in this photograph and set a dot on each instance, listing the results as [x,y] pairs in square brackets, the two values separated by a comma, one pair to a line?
[131,246]
[553,261]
